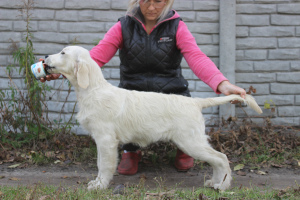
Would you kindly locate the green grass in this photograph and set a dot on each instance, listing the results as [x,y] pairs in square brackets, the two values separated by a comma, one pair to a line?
[139,192]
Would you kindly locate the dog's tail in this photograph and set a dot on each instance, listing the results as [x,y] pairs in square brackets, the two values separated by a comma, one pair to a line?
[249,100]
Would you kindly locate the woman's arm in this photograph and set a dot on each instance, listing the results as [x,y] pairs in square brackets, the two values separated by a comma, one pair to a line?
[199,63]
[202,66]
[108,46]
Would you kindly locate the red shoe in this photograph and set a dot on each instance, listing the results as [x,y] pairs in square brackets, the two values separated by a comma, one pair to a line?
[183,162]
[129,163]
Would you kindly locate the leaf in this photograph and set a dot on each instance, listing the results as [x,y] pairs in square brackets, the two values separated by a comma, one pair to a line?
[267,105]
[261,173]
[14,179]
[45,197]
[202,196]
[57,161]
[50,154]
[276,166]
[42,136]
[241,173]
[61,157]
[239,167]
[229,193]
[14,166]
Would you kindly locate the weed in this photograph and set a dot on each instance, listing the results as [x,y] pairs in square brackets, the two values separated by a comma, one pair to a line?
[250,143]
[41,191]
[24,119]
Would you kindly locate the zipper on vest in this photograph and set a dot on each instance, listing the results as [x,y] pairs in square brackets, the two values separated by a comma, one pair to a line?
[148,51]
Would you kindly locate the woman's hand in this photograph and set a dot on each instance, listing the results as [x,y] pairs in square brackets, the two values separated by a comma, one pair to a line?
[49,77]
[227,88]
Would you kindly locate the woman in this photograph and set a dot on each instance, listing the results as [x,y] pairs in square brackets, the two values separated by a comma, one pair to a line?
[152,40]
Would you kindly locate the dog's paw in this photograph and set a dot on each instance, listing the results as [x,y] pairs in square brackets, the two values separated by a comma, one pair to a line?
[97,184]
[223,185]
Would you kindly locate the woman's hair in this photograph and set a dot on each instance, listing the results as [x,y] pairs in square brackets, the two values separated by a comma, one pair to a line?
[134,4]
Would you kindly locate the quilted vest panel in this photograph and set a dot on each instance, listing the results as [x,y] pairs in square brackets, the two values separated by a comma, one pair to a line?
[151,62]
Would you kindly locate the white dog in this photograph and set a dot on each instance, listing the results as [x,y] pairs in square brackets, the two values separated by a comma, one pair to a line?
[113,115]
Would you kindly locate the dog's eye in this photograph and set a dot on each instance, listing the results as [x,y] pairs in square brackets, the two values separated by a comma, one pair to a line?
[62,53]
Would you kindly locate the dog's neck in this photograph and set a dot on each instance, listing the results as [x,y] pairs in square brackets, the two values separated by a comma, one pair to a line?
[96,81]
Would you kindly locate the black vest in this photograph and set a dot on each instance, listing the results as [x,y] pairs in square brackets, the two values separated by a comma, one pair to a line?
[151,62]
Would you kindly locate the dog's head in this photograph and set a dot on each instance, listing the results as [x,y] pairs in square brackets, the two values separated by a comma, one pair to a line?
[72,62]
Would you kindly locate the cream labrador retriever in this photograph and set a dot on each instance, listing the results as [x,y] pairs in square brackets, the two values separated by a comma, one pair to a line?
[113,115]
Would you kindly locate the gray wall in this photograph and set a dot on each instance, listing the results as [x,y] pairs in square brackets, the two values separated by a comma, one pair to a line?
[268,54]
[265,44]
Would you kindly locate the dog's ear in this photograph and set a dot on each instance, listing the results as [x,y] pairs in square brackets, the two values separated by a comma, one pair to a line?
[82,73]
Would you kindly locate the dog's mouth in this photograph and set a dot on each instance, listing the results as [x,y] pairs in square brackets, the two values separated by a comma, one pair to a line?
[50,68]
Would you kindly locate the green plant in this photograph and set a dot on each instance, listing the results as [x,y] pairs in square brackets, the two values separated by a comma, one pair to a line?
[23,114]
[269,104]
[41,191]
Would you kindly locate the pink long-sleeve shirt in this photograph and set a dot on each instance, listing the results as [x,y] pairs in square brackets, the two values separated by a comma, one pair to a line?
[199,63]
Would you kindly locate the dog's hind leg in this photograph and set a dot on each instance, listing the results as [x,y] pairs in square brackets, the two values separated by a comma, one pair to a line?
[107,157]
[203,151]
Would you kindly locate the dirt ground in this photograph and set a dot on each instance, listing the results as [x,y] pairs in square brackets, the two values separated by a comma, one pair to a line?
[162,175]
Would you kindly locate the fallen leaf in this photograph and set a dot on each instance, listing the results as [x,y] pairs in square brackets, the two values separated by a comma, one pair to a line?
[261,173]
[143,176]
[14,179]
[61,156]
[276,166]
[14,166]
[9,161]
[191,174]
[160,194]
[45,197]
[202,197]
[50,154]
[64,177]
[120,189]
[224,192]
[28,196]
[241,173]
[1,177]
[32,152]
[239,167]
[57,161]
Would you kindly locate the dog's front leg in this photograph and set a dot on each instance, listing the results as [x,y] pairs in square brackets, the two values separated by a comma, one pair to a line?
[107,158]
